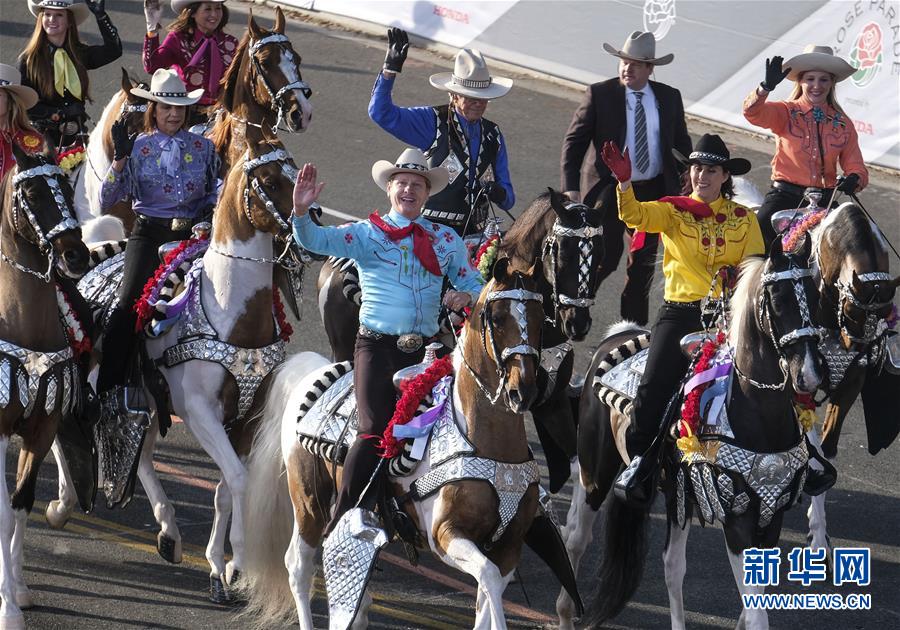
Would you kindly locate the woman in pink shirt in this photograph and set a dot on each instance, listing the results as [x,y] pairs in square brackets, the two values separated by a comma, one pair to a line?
[196,47]
[813,134]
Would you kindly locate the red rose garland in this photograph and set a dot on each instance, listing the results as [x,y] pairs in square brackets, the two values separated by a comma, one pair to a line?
[284,328]
[142,305]
[690,409]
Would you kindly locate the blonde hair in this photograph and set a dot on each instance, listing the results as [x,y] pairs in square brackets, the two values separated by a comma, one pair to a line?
[39,63]
[830,98]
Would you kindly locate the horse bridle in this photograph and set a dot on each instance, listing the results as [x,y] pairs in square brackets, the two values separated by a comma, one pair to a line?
[50,174]
[519,297]
[874,325]
[584,234]
[294,82]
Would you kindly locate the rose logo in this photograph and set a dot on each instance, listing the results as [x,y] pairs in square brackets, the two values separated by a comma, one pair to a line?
[659,17]
[867,55]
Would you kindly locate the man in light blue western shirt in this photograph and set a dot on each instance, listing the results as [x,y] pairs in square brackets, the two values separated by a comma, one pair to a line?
[403,259]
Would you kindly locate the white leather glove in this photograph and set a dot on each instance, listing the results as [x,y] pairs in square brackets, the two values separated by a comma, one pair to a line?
[152,13]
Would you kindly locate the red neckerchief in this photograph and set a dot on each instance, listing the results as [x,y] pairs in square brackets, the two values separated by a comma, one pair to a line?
[699,209]
[421,241]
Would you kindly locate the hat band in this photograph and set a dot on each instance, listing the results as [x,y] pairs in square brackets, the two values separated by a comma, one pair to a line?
[63,4]
[471,83]
[5,82]
[170,94]
[701,155]
[412,166]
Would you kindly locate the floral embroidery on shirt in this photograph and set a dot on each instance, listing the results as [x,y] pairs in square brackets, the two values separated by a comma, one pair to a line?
[198,145]
[189,186]
[188,158]
[167,188]
[145,151]
[462,273]
[448,236]
[348,237]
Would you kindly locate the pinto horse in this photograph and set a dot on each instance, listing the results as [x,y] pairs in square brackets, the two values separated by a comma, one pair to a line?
[750,466]
[495,359]
[39,381]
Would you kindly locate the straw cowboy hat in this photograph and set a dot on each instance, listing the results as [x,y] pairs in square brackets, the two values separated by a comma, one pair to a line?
[820,58]
[640,47]
[410,161]
[78,9]
[471,77]
[711,150]
[179,5]
[167,87]
[10,80]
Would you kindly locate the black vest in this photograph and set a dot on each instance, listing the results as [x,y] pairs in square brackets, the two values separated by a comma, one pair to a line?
[452,205]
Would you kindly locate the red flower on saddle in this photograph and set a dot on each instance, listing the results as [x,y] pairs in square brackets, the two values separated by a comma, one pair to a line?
[690,409]
[284,327]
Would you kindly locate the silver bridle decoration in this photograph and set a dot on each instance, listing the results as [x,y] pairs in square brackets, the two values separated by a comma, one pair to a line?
[874,326]
[584,234]
[50,174]
[294,80]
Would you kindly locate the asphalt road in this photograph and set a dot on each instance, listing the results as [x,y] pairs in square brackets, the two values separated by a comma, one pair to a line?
[102,571]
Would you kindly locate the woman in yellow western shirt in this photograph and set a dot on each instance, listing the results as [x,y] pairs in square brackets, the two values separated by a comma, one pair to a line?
[701,233]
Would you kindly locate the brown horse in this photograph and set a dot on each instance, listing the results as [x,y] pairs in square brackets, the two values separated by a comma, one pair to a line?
[39,374]
[459,520]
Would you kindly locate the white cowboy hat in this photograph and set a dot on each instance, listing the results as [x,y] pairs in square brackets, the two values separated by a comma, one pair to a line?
[820,58]
[78,9]
[471,77]
[410,161]
[167,87]
[11,80]
[179,5]
[640,47]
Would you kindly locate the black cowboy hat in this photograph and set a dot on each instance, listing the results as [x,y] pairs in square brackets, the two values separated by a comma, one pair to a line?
[710,149]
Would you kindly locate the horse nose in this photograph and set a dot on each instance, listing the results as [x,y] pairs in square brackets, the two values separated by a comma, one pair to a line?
[75,260]
[519,402]
[296,118]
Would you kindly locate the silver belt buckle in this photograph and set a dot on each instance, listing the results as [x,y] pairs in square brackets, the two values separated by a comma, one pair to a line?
[409,343]
[180,224]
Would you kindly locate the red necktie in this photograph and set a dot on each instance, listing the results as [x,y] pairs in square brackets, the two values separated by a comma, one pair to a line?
[421,241]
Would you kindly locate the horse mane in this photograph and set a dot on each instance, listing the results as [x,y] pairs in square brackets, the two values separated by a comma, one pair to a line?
[525,238]
[743,300]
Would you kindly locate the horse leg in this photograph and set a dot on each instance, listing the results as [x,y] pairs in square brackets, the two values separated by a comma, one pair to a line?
[580,534]
[818,533]
[482,607]
[215,548]
[675,563]
[464,555]
[59,510]
[361,621]
[168,540]
[11,616]
[300,561]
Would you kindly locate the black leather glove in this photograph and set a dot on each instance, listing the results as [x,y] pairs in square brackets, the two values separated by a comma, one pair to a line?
[123,142]
[97,7]
[495,192]
[848,184]
[398,47]
[774,73]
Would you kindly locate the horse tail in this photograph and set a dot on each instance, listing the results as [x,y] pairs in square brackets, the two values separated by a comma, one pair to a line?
[268,512]
[622,560]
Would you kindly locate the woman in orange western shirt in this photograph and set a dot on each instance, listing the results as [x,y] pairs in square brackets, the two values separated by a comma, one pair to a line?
[812,132]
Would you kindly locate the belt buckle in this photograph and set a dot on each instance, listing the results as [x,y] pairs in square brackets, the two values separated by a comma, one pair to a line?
[409,343]
[179,224]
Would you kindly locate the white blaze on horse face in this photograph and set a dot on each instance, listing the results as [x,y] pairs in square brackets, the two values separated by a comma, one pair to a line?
[288,68]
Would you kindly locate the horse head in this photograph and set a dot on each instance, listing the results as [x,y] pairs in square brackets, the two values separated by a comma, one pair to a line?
[787,309]
[133,107]
[39,210]
[267,63]
[573,251]
[510,315]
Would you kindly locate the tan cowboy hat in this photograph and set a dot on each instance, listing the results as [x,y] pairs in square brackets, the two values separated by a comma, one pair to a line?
[640,47]
[820,58]
[78,9]
[10,80]
[410,161]
[167,87]
[179,5]
[471,77]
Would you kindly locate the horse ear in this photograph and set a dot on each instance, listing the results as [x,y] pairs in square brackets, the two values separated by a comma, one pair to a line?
[126,81]
[896,282]
[557,201]
[854,280]
[19,153]
[501,269]
[776,248]
[255,31]
[279,21]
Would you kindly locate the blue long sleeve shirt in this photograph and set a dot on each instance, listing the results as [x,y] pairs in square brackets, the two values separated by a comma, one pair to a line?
[416,127]
[398,294]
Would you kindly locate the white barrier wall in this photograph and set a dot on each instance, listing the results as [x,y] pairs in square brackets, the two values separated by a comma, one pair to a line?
[720,46]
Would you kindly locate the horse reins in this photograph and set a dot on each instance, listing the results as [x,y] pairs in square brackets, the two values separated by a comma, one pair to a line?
[294,82]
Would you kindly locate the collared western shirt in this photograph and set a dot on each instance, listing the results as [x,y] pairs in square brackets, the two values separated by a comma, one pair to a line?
[695,248]
[399,295]
[651,115]
[178,49]
[800,141]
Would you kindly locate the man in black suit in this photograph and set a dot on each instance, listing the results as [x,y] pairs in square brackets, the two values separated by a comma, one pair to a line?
[648,118]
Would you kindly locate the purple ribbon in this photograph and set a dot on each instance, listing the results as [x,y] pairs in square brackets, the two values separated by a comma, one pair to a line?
[421,425]
[705,376]
[215,67]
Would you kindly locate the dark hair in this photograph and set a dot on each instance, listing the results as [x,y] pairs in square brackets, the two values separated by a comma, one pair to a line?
[38,62]
[185,20]
[150,117]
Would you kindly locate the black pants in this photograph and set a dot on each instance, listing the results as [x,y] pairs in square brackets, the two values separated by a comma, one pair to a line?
[666,366]
[141,262]
[778,199]
[635,300]
[374,364]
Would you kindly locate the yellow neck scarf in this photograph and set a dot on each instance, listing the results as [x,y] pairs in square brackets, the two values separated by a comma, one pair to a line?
[64,74]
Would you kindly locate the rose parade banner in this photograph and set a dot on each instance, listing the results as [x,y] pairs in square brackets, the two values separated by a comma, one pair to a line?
[720,47]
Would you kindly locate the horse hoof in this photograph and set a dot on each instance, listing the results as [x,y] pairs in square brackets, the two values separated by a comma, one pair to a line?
[168,548]
[12,622]
[57,516]
[24,599]
[218,594]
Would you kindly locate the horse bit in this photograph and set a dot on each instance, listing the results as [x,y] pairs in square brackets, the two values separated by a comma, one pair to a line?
[294,81]
[584,234]
[50,173]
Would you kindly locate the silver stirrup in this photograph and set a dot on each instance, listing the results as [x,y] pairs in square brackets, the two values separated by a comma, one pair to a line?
[348,557]
[119,436]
